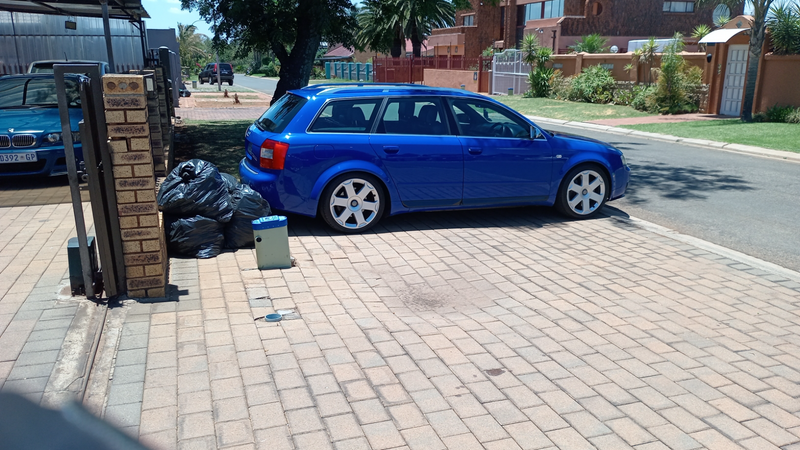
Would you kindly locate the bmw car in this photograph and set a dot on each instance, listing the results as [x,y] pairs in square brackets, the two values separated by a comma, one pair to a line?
[30,127]
[353,154]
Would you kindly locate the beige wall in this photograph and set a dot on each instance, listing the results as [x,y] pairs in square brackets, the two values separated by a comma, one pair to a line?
[452,79]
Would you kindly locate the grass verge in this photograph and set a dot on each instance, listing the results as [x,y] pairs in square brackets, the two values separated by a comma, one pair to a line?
[777,136]
[564,110]
[218,142]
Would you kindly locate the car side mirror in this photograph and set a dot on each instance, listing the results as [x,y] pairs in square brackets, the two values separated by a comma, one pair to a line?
[536,134]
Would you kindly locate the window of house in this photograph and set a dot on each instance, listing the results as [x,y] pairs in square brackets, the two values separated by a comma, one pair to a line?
[423,116]
[347,116]
[469,20]
[544,10]
[679,7]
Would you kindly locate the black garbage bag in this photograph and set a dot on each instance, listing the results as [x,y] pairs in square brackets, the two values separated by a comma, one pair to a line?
[198,236]
[230,181]
[248,205]
[195,188]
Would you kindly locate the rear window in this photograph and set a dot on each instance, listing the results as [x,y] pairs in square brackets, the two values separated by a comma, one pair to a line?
[226,67]
[281,113]
[347,116]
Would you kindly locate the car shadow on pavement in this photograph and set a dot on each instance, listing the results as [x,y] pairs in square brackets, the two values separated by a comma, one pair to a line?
[35,191]
[531,217]
[679,183]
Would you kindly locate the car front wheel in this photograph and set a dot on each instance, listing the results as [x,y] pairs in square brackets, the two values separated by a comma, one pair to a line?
[583,192]
[352,203]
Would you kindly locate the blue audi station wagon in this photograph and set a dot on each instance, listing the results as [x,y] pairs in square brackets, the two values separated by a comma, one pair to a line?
[355,153]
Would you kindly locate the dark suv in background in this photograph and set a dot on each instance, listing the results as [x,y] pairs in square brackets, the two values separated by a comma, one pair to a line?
[209,74]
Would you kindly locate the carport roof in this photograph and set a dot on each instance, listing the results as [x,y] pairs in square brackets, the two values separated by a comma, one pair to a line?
[117,9]
[716,36]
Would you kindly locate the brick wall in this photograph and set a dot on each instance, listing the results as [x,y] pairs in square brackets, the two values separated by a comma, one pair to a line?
[143,242]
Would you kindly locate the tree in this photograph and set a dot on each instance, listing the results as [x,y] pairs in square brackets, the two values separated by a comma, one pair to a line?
[645,55]
[380,28]
[293,30]
[700,32]
[419,17]
[757,34]
[593,43]
[386,24]
[191,46]
[784,28]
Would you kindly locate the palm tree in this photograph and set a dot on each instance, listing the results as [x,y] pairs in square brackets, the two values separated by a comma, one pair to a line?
[593,43]
[387,24]
[380,27]
[191,45]
[757,34]
[419,17]
[645,55]
[700,32]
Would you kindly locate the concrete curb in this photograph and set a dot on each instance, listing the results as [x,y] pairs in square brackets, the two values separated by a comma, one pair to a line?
[736,148]
[711,247]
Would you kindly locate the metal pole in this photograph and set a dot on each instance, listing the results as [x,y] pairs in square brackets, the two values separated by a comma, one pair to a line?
[72,174]
[16,50]
[219,69]
[107,31]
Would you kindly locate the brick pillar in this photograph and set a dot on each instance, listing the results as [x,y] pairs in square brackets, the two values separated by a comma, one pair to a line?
[143,240]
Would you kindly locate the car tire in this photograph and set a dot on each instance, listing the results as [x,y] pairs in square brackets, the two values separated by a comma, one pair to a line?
[583,192]
[353,202]
[230,82]
[200,80]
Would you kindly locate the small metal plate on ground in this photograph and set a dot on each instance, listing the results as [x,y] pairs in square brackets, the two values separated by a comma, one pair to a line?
[288,314]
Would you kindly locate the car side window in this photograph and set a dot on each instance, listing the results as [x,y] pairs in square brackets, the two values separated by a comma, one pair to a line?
[424,116]
[347,116]
[483,119]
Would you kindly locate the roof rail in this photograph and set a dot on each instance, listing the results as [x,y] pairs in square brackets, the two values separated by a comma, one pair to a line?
[333,85]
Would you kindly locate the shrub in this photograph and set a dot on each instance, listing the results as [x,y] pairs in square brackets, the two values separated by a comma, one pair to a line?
[317,73]
[622,96]
[271,67]
[779,113]
[540,75]
[593,43]
[560,86]
[794,116]
[784,28]
[678,85]
[643,98]
[593,85]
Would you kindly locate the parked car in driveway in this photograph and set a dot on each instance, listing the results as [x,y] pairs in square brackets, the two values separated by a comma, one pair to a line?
[47,66]
[30,126]
[354,153]
[209,74]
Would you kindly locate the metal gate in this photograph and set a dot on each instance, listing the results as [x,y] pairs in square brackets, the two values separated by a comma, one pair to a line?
[102,192]
[509,71]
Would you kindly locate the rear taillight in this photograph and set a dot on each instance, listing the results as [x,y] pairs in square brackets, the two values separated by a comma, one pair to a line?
[273,154]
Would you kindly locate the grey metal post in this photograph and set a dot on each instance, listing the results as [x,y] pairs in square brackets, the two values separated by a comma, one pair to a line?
[107,31]
[219,69]
[72,175]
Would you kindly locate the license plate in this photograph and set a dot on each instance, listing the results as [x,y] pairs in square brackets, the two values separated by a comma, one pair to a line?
[18,157]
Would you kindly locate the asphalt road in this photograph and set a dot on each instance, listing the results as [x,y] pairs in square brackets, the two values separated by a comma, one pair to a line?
[742,202]
[264,85]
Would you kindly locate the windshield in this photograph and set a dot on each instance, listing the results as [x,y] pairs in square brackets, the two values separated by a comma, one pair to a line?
[23,92]
[281,113]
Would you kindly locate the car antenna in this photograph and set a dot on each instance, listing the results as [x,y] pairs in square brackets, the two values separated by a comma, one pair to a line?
[65,57]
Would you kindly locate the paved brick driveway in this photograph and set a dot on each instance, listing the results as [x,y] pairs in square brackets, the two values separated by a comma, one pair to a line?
[490,329]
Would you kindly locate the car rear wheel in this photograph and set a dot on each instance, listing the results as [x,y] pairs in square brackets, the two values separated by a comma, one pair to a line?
[352,203]
[583,192]
[200,80]
[230,82]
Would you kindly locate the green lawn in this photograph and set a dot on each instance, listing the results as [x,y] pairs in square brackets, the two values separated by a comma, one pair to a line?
[778,136]
[564,110]
[219,142]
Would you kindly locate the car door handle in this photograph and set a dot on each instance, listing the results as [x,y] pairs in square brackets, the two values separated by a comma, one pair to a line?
[475,151]
[391,149]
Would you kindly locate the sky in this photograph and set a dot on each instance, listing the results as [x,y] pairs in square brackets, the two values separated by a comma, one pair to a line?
[168,13]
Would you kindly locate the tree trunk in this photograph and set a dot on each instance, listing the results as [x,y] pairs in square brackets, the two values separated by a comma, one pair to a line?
[756,46]
[416,44]
[296,66]
[397,42]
